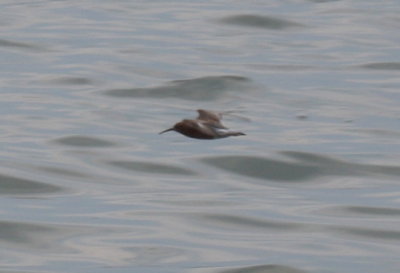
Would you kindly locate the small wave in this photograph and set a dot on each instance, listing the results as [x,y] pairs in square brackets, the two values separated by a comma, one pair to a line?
[305,167]
[361,211]
[83,141]
[235,221]
[268,268]
[198,89]
[69,81]
[264,168]
[259,21]
[16,185]
[369,233]
[382,66]
[150,167]
[21,45]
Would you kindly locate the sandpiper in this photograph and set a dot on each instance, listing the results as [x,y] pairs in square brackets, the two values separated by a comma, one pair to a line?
[206,126]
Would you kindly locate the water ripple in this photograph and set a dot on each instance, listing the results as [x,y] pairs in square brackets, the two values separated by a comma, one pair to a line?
[234,221]
[369,233]
[382,66]
[15,185]
[83,141]
[150,167]
[62,172]
[71,81]
[21,45]
[374,211]
[48,243]
[333,166]
[306,167]
[361,211]
[268,268]
[323,1]
[198,89]
[33,235]
[264,168]
[259,21]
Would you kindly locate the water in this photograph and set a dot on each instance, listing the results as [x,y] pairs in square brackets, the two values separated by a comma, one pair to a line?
[88,185]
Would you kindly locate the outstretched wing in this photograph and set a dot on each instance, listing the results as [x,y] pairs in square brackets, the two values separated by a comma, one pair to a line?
[209,115]
[212,118]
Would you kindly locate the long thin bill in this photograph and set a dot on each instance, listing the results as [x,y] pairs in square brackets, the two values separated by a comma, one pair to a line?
[170,129]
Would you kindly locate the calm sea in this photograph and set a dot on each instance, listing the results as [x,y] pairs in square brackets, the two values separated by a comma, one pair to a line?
[88,186]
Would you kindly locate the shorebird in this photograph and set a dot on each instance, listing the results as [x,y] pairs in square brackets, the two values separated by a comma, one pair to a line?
[206,126]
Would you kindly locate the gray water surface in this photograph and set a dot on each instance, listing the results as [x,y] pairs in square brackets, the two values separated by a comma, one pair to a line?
[88,185]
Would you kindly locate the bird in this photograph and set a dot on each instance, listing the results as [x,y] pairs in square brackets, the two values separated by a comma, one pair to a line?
[206,126]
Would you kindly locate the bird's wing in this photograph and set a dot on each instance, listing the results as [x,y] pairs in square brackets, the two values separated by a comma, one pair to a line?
[209,115]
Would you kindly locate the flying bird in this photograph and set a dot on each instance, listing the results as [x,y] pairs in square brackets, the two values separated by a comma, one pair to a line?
[206,126]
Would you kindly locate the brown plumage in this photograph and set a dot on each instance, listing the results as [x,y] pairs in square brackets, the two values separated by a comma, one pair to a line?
[206,126]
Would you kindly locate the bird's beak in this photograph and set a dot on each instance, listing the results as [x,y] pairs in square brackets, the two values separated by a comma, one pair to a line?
[170,129]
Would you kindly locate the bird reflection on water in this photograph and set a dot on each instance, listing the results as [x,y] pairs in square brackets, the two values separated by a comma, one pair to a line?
[206,126]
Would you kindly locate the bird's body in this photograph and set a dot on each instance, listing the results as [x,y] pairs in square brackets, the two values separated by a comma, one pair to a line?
[206,126]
